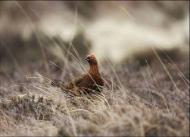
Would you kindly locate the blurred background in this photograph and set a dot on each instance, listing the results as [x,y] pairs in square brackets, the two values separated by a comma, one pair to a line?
[40,33]
[143,53]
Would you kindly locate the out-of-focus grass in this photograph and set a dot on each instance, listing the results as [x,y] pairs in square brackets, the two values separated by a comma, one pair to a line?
[147,96]
[134,102]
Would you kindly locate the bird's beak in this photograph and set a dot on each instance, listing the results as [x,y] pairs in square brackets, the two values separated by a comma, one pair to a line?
[86,59]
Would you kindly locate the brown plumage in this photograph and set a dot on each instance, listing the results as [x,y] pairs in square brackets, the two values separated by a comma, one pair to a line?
[90,82]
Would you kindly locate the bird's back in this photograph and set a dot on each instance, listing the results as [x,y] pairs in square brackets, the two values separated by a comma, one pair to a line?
[86,82]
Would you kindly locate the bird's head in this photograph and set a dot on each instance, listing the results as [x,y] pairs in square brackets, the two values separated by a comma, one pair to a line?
[91,59]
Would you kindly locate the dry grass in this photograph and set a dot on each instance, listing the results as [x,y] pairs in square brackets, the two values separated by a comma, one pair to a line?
[150,100]
[141,101]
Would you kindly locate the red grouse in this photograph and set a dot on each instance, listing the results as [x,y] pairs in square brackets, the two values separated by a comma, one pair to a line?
[86,83]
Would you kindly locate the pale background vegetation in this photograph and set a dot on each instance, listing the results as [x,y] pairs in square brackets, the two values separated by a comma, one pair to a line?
[143,53]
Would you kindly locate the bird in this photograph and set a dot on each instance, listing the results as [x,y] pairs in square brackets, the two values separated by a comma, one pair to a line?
[91,82]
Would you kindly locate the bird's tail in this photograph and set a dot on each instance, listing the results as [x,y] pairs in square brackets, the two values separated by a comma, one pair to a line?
[74,91]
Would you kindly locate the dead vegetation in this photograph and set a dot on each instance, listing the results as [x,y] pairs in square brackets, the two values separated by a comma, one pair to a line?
[134,102]
[145,96]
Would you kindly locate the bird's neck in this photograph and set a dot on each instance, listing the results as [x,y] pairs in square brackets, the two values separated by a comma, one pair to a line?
[94,69]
